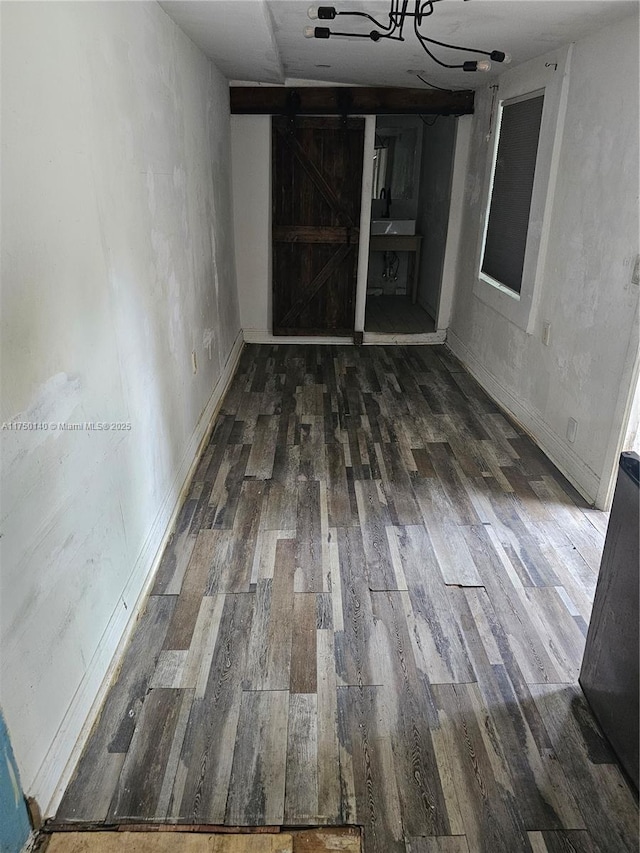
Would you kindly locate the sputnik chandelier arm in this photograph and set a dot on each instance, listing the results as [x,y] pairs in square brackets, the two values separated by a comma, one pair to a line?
[398,13]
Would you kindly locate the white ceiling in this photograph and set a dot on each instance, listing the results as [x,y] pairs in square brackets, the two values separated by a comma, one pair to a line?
[262,41]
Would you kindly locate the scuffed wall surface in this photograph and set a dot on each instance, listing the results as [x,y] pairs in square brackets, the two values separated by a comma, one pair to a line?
[438,143]
[118,264]
[587,294]
[251,145]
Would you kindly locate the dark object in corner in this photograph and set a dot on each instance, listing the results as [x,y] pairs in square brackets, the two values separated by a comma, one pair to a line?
[609,674]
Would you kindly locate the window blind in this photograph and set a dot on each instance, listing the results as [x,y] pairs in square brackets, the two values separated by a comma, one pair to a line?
[514,172]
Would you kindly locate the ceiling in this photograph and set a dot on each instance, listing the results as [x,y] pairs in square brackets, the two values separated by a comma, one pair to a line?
[261,41]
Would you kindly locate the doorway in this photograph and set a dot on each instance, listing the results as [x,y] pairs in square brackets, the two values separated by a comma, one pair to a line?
[317,186]
[411,196]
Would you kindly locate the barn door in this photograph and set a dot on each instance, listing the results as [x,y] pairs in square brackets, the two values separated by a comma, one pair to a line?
[317,181]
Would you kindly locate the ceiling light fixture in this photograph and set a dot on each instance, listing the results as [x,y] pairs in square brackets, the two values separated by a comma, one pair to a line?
[398,13]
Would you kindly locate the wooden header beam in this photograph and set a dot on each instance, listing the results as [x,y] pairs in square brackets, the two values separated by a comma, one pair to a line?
[348,100]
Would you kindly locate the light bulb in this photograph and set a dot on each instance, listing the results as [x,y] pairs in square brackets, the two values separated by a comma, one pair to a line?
[483,65]
[309,32]
[312,12]
[507,58]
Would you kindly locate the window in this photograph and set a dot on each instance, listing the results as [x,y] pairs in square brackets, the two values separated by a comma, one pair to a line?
[513,174]
[521,167]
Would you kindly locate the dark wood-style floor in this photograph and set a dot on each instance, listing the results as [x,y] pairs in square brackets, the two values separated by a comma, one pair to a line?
[396,315]
[372,611]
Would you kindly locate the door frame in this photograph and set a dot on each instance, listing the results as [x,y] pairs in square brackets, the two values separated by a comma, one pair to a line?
[365,222]
[452,246]
[629,388]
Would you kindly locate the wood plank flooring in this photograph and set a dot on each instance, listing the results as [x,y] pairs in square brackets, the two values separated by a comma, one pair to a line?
[177,839]
[372,611]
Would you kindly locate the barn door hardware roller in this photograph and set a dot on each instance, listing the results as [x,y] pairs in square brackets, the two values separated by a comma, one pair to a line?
[343,97]
[293,108]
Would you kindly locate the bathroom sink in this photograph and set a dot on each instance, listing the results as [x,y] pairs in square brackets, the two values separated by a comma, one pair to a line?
[393,226]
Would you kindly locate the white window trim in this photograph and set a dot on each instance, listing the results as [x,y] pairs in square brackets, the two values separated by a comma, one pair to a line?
[549,73]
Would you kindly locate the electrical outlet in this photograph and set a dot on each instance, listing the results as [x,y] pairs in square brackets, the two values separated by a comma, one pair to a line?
[546,333]
[194,363]
[572,429]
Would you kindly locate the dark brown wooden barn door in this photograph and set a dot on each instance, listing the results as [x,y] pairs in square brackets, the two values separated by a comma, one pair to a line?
[317,183]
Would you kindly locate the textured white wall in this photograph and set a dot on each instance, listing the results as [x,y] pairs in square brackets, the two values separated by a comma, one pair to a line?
[118,264]
[251,147]
[587,294]
[438,145]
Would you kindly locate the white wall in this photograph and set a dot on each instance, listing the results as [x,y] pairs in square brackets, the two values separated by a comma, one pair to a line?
[251,152]
[586,295]
[457,212]
[438,143]
[118,265]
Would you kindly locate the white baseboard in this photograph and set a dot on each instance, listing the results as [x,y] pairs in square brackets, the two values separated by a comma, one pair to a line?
[395,338]
[59,763]
[257,336]
[263,336]
[552,445]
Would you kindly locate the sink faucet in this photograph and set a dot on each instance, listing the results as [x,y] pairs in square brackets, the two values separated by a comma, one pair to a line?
[386,195]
